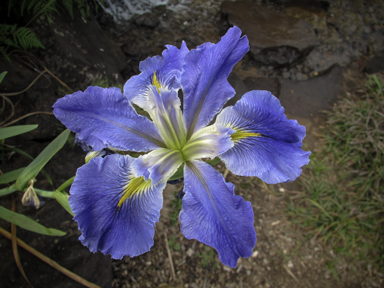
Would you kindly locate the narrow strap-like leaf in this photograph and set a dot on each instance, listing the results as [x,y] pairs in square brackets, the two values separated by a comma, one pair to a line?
[12,131]
[35,167]
[27,223]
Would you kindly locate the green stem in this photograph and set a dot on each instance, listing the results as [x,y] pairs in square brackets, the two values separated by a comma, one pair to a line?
[44,193]
[66,184]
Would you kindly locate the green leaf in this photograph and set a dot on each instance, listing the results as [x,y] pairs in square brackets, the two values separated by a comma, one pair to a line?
[10,176]
[2,75]
[214,161]
[61,197]
[27,223]
[26,39]
[2,148]
[66,184]
[7,190]
[12,131]
[34,168]
[178,174]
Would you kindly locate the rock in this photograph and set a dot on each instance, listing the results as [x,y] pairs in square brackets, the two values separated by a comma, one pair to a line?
[79,50]
[239,87]
[275,38]
[316,17]
[270,84]
[147,20]
[376,64]
[251,83]
[308,98]
[131,49]
[159,9]
[320,60]
[311,4]
[40,97]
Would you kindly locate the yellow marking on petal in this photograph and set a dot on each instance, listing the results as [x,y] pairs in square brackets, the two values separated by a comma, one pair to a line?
[241,135]
[135,185]
[156,82]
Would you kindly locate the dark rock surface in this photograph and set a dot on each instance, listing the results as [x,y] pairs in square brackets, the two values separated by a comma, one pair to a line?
[40,98]
[312,4]
[308,98]
[239,87]
[78,58]
[260,83]
[275,38]
[376,64]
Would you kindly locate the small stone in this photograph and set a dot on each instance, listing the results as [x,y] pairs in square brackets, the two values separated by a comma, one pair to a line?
[286,74]
[190,252]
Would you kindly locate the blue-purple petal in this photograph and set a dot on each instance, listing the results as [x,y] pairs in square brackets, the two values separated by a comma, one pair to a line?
[103,117]
[168,70]
[275,155]
[213,215]
[204,78]
[95,195]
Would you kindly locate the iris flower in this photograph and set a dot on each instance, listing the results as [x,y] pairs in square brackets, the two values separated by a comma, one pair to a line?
[117,199]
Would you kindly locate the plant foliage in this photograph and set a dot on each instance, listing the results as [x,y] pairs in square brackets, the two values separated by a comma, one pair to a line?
[18,37]
[343,199]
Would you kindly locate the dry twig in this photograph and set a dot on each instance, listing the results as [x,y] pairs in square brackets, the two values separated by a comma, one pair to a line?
[14,245]
[169,256]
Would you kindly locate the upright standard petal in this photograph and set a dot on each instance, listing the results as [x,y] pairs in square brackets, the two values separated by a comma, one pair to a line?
[266,144]
[167,68]
[212,214]
[163,106]
[103,117]
[116,212]
[204,78]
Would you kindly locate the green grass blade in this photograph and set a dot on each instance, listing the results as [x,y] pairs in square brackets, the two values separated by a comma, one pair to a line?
[2,75]
[66,184]
[321,208]
[10,176]
[12,131]
[27,223]
[34,168]
[62,198]
[28,156]
[6,191]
